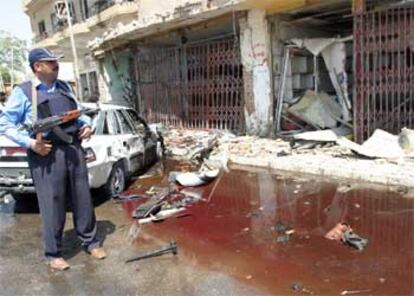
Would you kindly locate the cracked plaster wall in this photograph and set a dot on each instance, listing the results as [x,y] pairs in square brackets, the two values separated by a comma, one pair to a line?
[256,60]
[151,12]
[114,76]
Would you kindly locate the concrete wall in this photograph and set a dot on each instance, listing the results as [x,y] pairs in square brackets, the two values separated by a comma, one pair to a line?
[43,13]
[256,60]
[151,13]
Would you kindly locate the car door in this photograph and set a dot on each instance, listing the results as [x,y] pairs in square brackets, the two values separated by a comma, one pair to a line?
[132,141]
[149,139]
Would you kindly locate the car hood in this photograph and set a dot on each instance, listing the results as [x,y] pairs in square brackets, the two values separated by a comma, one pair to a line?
[5,142]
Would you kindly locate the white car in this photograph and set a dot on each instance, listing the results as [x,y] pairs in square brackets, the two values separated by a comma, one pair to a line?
[122,144]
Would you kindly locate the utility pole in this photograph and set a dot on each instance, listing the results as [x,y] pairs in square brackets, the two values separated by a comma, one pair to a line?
[72,42]
[74,51]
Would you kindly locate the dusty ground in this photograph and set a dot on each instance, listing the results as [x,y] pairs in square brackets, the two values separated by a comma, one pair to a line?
[228,244]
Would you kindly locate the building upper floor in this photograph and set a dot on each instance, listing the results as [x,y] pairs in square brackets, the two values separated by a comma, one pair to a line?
[85,16]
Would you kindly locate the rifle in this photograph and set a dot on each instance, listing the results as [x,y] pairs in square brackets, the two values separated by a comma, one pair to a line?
[53,122]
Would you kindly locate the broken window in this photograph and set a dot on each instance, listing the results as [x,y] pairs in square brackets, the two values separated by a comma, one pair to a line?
[113,123]
[125,125]
[138,125]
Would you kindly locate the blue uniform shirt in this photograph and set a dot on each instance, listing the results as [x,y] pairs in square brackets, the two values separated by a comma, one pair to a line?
[18,111]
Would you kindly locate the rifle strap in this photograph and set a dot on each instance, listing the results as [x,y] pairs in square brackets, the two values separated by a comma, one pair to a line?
[34,110]
[34,102]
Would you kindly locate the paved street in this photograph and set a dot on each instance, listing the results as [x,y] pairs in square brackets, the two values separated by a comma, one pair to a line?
[24,272]
[229,245]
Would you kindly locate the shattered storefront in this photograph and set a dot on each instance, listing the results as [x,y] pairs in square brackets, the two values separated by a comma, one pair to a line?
[321,66]
[312,62]
[344,66]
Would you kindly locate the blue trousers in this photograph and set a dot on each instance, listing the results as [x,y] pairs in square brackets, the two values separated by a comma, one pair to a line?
[59,175]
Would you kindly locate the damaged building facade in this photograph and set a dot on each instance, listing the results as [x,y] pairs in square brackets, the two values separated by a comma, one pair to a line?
[259,67]
[90,18]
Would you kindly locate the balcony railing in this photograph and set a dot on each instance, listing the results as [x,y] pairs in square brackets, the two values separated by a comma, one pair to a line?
[93,9]
[41,36]
[99,6]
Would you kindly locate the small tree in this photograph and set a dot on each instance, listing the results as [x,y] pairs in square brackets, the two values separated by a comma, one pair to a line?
[12,56]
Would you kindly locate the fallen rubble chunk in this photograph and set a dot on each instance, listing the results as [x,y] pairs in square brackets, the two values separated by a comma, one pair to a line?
[317,109]
[330,135]
[380,145]
[193,179]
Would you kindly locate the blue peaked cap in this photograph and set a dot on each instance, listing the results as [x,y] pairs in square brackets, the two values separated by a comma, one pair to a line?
[41,54]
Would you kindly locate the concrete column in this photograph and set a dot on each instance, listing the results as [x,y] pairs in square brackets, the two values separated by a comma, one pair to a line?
[103,81]
[256,60]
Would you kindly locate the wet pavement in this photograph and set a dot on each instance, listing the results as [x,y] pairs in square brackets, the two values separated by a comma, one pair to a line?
[230,243]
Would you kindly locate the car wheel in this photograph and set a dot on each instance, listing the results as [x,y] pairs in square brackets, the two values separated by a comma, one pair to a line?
[116,181]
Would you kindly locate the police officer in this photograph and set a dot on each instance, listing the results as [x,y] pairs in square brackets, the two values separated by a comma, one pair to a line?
[57,166]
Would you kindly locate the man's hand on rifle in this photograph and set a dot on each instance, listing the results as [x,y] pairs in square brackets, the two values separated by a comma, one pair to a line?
[41,147]
[85,132]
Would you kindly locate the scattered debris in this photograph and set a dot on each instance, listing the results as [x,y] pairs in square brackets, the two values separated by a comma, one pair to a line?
[121,197]
[193,193]
[193,179]
[189,144]
[162,215]
[152,206]
[284,232]
[343,232]
[344,188]
[299,288]
[329,135]
[380,145]
[354,292]
[351,239]
[170,248]
[337,232]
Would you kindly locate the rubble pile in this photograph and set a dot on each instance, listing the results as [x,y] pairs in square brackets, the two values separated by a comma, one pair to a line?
[223,146]
[250,150]
[186,144]
[337,159]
